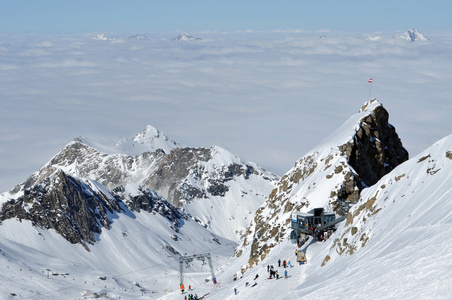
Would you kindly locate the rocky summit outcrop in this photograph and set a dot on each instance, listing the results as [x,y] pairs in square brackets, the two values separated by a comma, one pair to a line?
[78,209]
[332,175]
[375,149]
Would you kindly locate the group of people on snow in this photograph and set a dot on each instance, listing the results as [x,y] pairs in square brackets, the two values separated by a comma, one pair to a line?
[191,297]
[274,273]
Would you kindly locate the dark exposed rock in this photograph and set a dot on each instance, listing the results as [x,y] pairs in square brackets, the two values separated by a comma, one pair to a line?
[170,177]
[182,174]
[216,188]
[148,200]
[376,148]
[76,211]
[373,151]
[111,170]
[173,168]
[65,204]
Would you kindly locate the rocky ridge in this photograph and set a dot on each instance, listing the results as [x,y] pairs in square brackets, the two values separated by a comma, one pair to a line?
[332,176]
[181,175]
[391,196]
[78,209]
[151,160]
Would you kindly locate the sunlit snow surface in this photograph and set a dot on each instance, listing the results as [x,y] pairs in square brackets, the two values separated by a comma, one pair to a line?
[407,255]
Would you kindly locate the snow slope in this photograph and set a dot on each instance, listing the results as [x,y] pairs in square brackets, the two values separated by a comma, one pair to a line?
[230,214]
[138,249]
[396,243]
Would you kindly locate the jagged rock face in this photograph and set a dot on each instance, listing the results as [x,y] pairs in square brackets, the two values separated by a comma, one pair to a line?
[65,204]
[183,175]
[173,169]
[76,211]
[376,148]
[327,178]
[111,170]
[149,201]
[396,192]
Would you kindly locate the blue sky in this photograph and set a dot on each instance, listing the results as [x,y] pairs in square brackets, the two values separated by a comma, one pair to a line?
[56,16]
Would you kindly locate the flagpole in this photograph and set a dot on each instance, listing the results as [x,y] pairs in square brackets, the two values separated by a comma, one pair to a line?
[370,89]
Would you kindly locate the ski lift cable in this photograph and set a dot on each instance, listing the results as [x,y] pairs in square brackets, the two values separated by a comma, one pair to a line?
[114,276]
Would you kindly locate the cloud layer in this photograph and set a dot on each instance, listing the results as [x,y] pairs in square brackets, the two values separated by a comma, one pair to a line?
[268,97]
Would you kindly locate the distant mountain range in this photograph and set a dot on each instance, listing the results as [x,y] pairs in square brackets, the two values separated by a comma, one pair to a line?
[412,35]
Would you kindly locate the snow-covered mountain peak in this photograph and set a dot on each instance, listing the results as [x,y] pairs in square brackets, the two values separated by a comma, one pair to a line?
[185,37]
[208,183]
[92,144]
[149,140]
[155,139]
[345,133]
[412,35]
[331,176]
[370,106]
[101,37]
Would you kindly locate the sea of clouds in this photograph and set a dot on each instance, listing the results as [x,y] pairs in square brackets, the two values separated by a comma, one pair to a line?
[268,97]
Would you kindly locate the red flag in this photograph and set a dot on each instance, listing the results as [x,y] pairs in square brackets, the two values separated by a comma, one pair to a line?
[370,80]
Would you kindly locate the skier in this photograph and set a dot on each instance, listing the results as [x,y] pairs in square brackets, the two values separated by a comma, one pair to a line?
[285,274]
[279,263]
[284,264]
[235,291]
